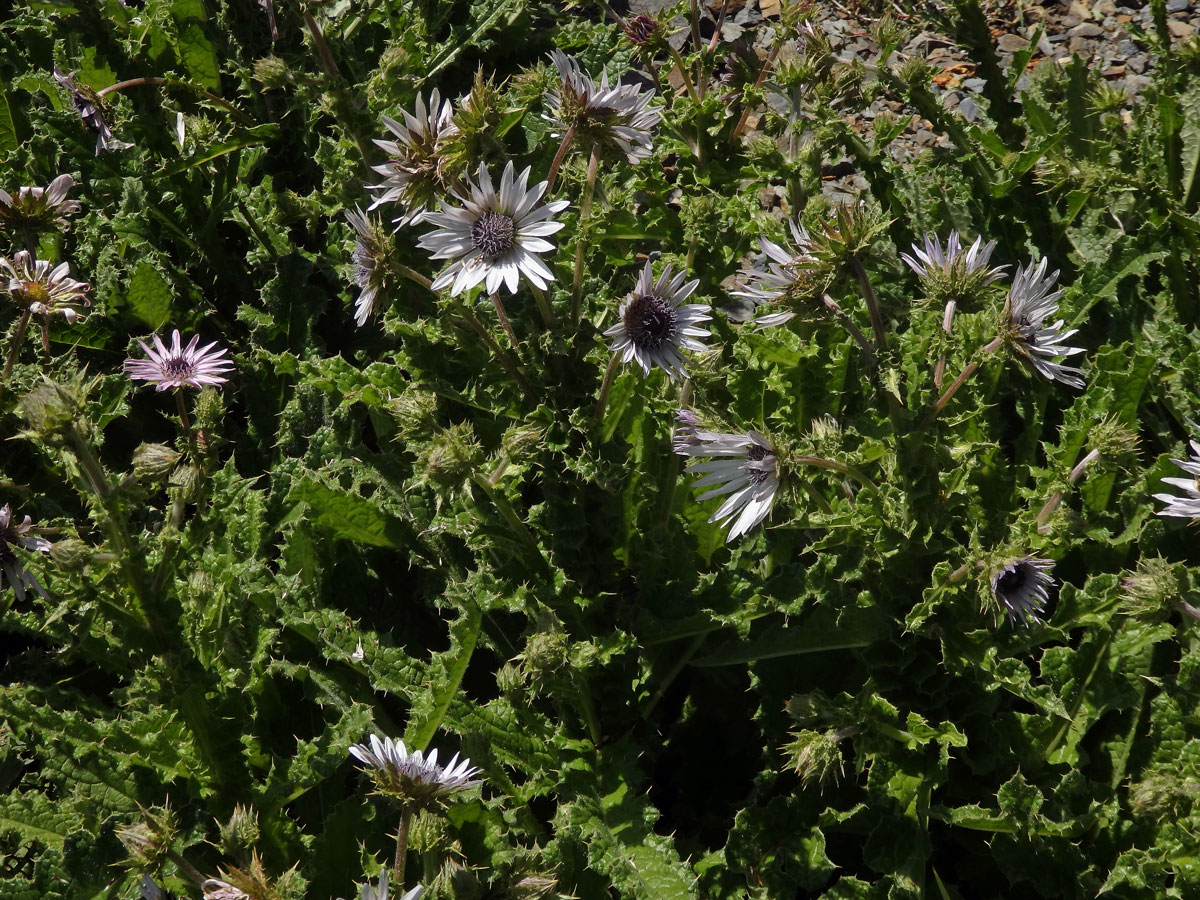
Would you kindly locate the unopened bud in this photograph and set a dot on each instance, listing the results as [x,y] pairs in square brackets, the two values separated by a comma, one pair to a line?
[154,462]
[241,832]
[452,456]
[71,554]
[815,756]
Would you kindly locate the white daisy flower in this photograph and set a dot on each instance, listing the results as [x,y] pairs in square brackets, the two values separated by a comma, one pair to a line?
[23,536]
[414,776]
[42,290]
[654,327]
[1021,587]
[379,891]
[413,172]
[179,366]
[618,115]
[495,236]
[744,466]
[39,209]
[1030,302]
[1188,506]
[782,276]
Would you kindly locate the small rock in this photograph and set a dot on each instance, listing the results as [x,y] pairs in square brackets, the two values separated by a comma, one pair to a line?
[1080,10]
[1011,43]
[925,138]
[1087,30]
[1103,8]
[1068,21]
[1180,29]
[975,85]
[1079,45]
[1178,5]
[1135,84]
[731,31]
[969,109]
[1136,63]
[1113,71]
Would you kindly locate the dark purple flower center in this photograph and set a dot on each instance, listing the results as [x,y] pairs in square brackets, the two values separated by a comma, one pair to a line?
[1011,580]
[650,322]
[493,234]
[756,454]
[178,367]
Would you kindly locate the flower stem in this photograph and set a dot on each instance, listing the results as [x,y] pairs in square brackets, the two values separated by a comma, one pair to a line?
[675,464]
[1057,496]
[544,307]
[558,157]
[504,323]
[683,73]
[186,422]
[762,76]
[499,352]
[819,462]
[18,338]
[939,370]
[854,330]
[329,64]
[411,274]
[585,210]
[956,384]
[606,386]
[872,301]
[175,82]
[401,841]
[694,19]
[511,519]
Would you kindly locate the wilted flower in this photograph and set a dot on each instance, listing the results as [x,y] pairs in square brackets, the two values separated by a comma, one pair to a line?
[180,366]
[640,29]
[35,209]
[43,291]
[787,275]
[216,889]
[742,465]
[618,116]
[1187,506]
[1021,587]
[1030,302]
[23,536]
[413,175]
[91,109]
[951,271]
[494,237]
[685,431]
[414,777]
[654,327]
[370,252]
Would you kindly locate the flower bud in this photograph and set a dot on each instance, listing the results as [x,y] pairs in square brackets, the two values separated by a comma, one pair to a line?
[428,834]
[452,456]
[1162,795]
[154,462]
[241,832]
[815,756]
[273,73]
[415,412]
[71,555]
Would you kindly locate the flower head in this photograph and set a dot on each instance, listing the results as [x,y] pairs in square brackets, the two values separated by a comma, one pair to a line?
[414,174]
[1187,506]
[91,109]
[494,236]
[683,435]
[179,366]
[744,466]
[24,536]
[36,209]
[413,777]
[654,327]
[379,891]
[1021,588]
[42,290]
[788,276]
[1030,302]
[640,29]
[617,116]
[371,248]
[950,271]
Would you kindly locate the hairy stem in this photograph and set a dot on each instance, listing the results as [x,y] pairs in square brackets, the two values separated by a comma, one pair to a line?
[502,356]
[585,210]
[848,323]
[683,73]
[544,307]
[606,385]
[956,384]
[177,83]
[939,370]
[18,339]
[567,137]
[1057,496]
[503,316]
[762,76]
[864,281]
[401,844]
[186,423]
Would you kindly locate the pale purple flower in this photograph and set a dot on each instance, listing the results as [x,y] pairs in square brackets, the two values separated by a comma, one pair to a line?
[413,776]
[1031,301]
[950,268]
[1022,586]
[25,537]
[1187,506]
[653,327]
[44,291]
[91,110]
[413,172]
[742,466]
[178,366]
[37,209]
[602,115]
[782,277]
[495,236]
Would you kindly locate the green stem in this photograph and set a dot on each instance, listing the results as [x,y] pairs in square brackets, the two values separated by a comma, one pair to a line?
[956,384]
[509,364]
[848,323]
[585,210]
[329,64]
[503,316]
[694,19]
[401,848]
[674,465]
[511,518]
[255,227]
[683,73]
[872,301]
[544,307]
[186,423]
[177,83]
[832,465]
[606,385]
[18,338]
[762,76]
[684,659]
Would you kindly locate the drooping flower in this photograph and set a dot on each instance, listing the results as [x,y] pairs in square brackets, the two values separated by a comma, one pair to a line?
[950,271]
[413,176]
[91,109]
[370,252]
[413,777]
[495,236]
[787,276]
[24,536]
[178,366]
[617,116]
[743,466]
[1021,587]
[687,426]
[653,327]
[1187,506]
[379,891]
[42,290]
[1031,301]
[37,209]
